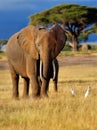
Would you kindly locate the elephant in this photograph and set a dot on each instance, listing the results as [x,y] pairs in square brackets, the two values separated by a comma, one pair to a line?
[25,48]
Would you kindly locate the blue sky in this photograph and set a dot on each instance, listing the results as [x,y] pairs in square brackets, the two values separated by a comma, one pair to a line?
[14,13]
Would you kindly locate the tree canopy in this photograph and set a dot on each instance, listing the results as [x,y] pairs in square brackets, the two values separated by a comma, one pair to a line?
[75,19]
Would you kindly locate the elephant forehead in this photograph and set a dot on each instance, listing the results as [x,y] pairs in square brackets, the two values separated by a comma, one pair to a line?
[46,39]
[42,36]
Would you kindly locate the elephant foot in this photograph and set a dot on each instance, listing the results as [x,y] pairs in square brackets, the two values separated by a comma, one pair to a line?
[36,94]
[36,97]
[44,95]
[56,90]
[15,97]
[25,96]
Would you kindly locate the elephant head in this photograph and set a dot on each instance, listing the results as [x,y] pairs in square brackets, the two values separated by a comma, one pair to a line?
[45,44]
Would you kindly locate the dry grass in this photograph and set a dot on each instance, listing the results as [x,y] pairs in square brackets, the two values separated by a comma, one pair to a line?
[61,111]
[2,56]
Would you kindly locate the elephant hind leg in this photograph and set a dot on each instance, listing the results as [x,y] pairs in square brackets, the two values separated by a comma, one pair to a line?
[15,82]
[26,87]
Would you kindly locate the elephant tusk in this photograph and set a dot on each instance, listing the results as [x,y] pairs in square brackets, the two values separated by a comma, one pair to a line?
[41,70]
[54,70]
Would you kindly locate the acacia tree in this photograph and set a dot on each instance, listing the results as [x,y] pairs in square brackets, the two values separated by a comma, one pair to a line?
[93,29]
[75,19]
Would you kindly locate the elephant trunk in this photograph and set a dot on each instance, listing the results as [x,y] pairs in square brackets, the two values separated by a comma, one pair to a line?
[41,70]
[45,75]
[44,70]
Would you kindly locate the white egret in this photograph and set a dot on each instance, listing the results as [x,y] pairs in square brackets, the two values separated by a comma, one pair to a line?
[87,92]
[72,91]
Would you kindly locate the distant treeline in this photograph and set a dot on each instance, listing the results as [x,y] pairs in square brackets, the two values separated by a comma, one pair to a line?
[3,42]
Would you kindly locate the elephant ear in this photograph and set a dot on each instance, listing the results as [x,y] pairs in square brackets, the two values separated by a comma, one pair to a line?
[26,40]
[60,37]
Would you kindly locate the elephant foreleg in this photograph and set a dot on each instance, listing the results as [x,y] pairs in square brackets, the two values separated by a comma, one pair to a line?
[35,87]
[44,88]
[26,88]
[32,74]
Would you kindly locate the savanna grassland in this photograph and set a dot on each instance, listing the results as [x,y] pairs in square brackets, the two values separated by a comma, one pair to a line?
[61,111]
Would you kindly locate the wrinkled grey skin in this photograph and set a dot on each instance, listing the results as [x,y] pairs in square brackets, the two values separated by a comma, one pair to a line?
[24,49]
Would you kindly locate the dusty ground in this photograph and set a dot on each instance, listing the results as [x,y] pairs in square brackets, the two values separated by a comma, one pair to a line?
[3,65]
[78,60]
[66,61]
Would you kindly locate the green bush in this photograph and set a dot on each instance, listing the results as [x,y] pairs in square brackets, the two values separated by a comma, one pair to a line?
[67,48]
[93,47]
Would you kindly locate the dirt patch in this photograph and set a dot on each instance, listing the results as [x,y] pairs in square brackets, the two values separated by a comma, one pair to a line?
[77,60]
[65,61]
[3,65]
